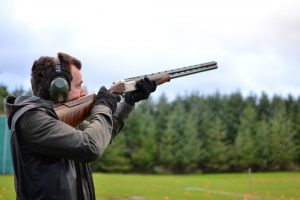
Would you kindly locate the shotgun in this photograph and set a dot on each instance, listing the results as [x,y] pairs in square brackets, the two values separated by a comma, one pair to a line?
[74,112]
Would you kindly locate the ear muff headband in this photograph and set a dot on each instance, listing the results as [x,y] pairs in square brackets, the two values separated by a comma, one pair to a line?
[59,86]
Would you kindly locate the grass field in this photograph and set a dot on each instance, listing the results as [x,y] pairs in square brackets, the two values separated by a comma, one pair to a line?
[264,186]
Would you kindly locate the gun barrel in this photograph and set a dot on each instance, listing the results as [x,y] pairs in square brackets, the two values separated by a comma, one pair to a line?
[183,71]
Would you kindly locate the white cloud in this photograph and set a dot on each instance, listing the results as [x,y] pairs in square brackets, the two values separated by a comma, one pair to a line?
[255,42]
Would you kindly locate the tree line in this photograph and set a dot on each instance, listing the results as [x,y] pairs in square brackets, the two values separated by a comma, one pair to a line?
[213,133]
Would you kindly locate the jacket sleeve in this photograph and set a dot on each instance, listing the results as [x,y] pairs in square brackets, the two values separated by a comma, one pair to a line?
[120,116]
[46,135]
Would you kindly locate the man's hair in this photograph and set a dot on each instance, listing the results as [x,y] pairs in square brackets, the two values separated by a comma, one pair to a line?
[43,71]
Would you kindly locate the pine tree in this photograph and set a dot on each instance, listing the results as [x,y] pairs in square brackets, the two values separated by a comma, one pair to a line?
[297,131]
[216,147]
[263,108]
[189,148]
[140,131]
[231,114]
[161,113]
[143,156]
[262,145]
[168,155]
[282,146]
[244,143]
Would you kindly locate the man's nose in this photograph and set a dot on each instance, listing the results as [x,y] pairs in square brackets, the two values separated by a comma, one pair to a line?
[83,92]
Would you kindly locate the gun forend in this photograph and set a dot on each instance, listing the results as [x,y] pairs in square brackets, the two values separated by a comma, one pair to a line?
[123,86]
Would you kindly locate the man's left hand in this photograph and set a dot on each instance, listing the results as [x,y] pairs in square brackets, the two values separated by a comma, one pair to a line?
[144,87]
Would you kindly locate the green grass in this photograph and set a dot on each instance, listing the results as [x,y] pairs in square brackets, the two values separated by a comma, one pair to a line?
[7,191]
[266,186]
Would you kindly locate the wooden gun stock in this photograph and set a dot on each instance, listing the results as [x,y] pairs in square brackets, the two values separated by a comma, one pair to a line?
[74,112]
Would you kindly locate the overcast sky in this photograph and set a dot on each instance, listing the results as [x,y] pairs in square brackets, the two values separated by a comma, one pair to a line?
[255,42]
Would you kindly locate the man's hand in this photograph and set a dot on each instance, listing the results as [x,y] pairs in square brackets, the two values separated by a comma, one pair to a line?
[106,98]
[143,89]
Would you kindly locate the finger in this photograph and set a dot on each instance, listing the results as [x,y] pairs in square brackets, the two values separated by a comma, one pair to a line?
[142,86]
[151,84]
[146,78]
[148,83]
[118,97]
[154,85]
[103,89]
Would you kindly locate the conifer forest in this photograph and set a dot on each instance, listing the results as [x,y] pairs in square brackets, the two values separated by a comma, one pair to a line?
[212,133]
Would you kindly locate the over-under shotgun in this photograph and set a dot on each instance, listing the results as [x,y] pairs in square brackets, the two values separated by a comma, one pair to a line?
[74,112]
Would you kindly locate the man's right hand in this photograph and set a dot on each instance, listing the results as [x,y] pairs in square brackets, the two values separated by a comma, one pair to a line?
[106,98]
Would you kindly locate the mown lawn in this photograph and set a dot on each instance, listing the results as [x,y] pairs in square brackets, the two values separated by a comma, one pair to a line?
[265,186]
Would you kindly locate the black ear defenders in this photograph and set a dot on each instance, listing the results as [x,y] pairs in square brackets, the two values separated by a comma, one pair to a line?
[60,84]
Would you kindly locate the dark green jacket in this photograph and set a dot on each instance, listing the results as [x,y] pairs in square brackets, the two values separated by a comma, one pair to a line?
[50,158]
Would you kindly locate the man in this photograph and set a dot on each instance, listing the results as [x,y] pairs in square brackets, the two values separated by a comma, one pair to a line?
[50,158]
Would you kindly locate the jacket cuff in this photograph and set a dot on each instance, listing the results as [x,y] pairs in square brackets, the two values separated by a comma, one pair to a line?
[101,109]
[123,110]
